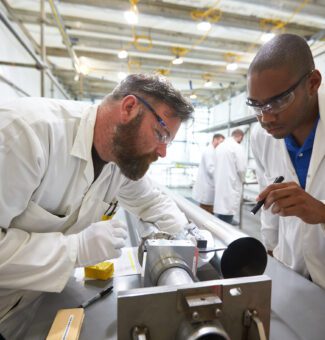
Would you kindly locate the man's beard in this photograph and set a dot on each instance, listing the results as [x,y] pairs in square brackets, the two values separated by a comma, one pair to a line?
[133,165]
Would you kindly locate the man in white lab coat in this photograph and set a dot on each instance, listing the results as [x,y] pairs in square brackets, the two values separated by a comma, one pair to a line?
[203,190]
[284,92]
[61,165]
[229,174]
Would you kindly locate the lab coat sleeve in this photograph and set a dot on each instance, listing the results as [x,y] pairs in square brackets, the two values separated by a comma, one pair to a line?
[269,221]
[29,261]
[210,161]
[241,163]
[144,199]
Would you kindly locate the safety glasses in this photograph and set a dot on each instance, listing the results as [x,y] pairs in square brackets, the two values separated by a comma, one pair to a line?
[161,132]
[277,103]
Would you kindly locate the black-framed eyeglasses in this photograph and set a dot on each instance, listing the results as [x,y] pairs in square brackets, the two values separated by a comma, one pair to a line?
[279,102]
[162,134]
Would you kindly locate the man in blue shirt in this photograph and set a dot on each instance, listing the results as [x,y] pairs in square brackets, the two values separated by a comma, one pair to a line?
[285,94]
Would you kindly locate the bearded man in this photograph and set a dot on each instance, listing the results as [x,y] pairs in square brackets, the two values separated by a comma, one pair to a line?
[63,164]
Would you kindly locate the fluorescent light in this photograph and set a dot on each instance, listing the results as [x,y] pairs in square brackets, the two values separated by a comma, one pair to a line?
[131,17]
[122,54]
[267,36]
[122,75]
[84,69]
[178,60]
[203,26]
[232,67]
[208,83]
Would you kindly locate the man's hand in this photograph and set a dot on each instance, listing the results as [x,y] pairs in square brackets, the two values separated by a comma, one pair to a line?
[100,241]
[289,199]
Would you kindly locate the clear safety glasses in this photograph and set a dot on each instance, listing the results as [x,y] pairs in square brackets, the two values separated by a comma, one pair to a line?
[162,134]
[278,103]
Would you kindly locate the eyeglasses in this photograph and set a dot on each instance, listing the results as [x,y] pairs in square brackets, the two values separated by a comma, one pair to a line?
[162,134]
[279,102]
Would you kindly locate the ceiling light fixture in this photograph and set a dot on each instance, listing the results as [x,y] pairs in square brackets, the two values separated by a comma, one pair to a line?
[178,60]
[121,75]
[84,69]
[208,83]
[232,66]
[203,26]
[132,15]
[122,54]
[267,36]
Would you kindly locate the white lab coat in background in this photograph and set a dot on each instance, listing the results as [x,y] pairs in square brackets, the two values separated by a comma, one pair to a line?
[47,192]
[229,175]
[203,190]
[298,245]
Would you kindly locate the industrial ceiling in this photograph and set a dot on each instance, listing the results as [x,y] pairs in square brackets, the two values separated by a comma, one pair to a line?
[84,37]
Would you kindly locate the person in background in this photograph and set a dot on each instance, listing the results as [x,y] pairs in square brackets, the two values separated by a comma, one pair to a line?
[203,190]
[285,92]
[61,165]
[229,174]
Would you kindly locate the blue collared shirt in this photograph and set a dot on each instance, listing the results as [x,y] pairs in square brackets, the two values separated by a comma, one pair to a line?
[300,156]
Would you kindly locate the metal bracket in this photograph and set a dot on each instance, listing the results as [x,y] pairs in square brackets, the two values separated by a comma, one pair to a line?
[140,333]
[251,319]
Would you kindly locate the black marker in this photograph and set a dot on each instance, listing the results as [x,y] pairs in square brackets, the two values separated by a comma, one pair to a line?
[260,203]
[97,297]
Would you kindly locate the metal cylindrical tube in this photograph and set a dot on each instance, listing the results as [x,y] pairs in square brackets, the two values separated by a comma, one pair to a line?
[163,265]
[174,276]
[243,256]
[199,331]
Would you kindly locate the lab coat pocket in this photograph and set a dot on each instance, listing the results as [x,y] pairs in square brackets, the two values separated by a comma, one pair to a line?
[100,207]
[91,211]
[37,219]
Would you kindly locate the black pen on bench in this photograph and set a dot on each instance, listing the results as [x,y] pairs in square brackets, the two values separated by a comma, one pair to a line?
[259,204]
[97,297]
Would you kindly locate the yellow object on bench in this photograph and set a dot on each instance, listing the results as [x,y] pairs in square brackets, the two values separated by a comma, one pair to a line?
[100,271]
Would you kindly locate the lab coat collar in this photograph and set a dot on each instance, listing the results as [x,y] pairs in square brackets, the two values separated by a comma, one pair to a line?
[84,140]
[319,146]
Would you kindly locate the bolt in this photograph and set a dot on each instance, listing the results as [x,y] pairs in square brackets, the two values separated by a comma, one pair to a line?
[195,316]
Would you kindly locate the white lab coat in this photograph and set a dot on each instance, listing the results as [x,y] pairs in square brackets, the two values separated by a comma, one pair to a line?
[203,190]
[47,192]
[229,174]
[298,245]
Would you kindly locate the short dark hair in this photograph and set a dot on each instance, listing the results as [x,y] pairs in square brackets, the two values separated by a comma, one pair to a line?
[237,133]
[157,87]
[218,136]
[284,50]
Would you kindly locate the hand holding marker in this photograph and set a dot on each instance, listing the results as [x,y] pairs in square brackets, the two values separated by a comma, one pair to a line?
[260,203]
